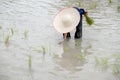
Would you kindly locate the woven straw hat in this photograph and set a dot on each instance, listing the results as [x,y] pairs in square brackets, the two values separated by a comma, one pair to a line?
[66,20]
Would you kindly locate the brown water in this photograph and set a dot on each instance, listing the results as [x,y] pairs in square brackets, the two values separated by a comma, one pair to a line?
[36,51]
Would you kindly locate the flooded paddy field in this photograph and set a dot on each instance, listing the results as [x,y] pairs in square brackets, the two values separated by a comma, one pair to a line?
[31,49]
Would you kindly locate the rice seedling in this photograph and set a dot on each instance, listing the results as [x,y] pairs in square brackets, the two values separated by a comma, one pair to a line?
[110,1]
[116,64]
[96,60]
[30,65]
[0,30]
[55,55]
[12,31]
[104,63]
[0,27]
[117,58]
[79,4]
[7,39]
[43,50]
[116,68]
[118,8]
[49,49]
[26,34]
[70,3]
[79,56]
[89,20]
[30,61]
[93,5]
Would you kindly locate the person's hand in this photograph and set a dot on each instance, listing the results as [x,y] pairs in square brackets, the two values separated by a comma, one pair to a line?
[86,13]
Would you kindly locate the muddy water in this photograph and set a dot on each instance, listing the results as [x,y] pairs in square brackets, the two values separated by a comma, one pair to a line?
[36,51]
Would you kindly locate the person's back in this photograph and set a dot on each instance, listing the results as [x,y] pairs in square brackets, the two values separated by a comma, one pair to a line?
[78,32]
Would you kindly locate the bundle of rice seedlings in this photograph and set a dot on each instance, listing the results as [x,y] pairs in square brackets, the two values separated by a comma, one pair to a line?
[89,20]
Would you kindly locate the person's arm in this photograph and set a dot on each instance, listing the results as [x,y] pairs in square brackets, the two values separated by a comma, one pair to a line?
[65,35]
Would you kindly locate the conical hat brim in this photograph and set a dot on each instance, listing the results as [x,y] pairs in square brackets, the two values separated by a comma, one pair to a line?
[74,17]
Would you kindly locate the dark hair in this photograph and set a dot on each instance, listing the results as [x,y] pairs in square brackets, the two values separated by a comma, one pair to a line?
[82,11]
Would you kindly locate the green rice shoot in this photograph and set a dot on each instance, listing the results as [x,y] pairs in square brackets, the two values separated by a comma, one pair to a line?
[116,68]
[43,50]
[25,34]
[30,61]
[81,57]
[104,62]
[12,31]
[118,8]
[79,4]
[93,5]
[55,55]
[116,64]
[0,27]
[7,39]
[110,1]
[97,60]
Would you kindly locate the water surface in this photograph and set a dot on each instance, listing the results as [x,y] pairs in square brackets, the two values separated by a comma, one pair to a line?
[36,51]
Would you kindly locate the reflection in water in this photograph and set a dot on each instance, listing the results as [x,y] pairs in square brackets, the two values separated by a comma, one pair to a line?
[73,55]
